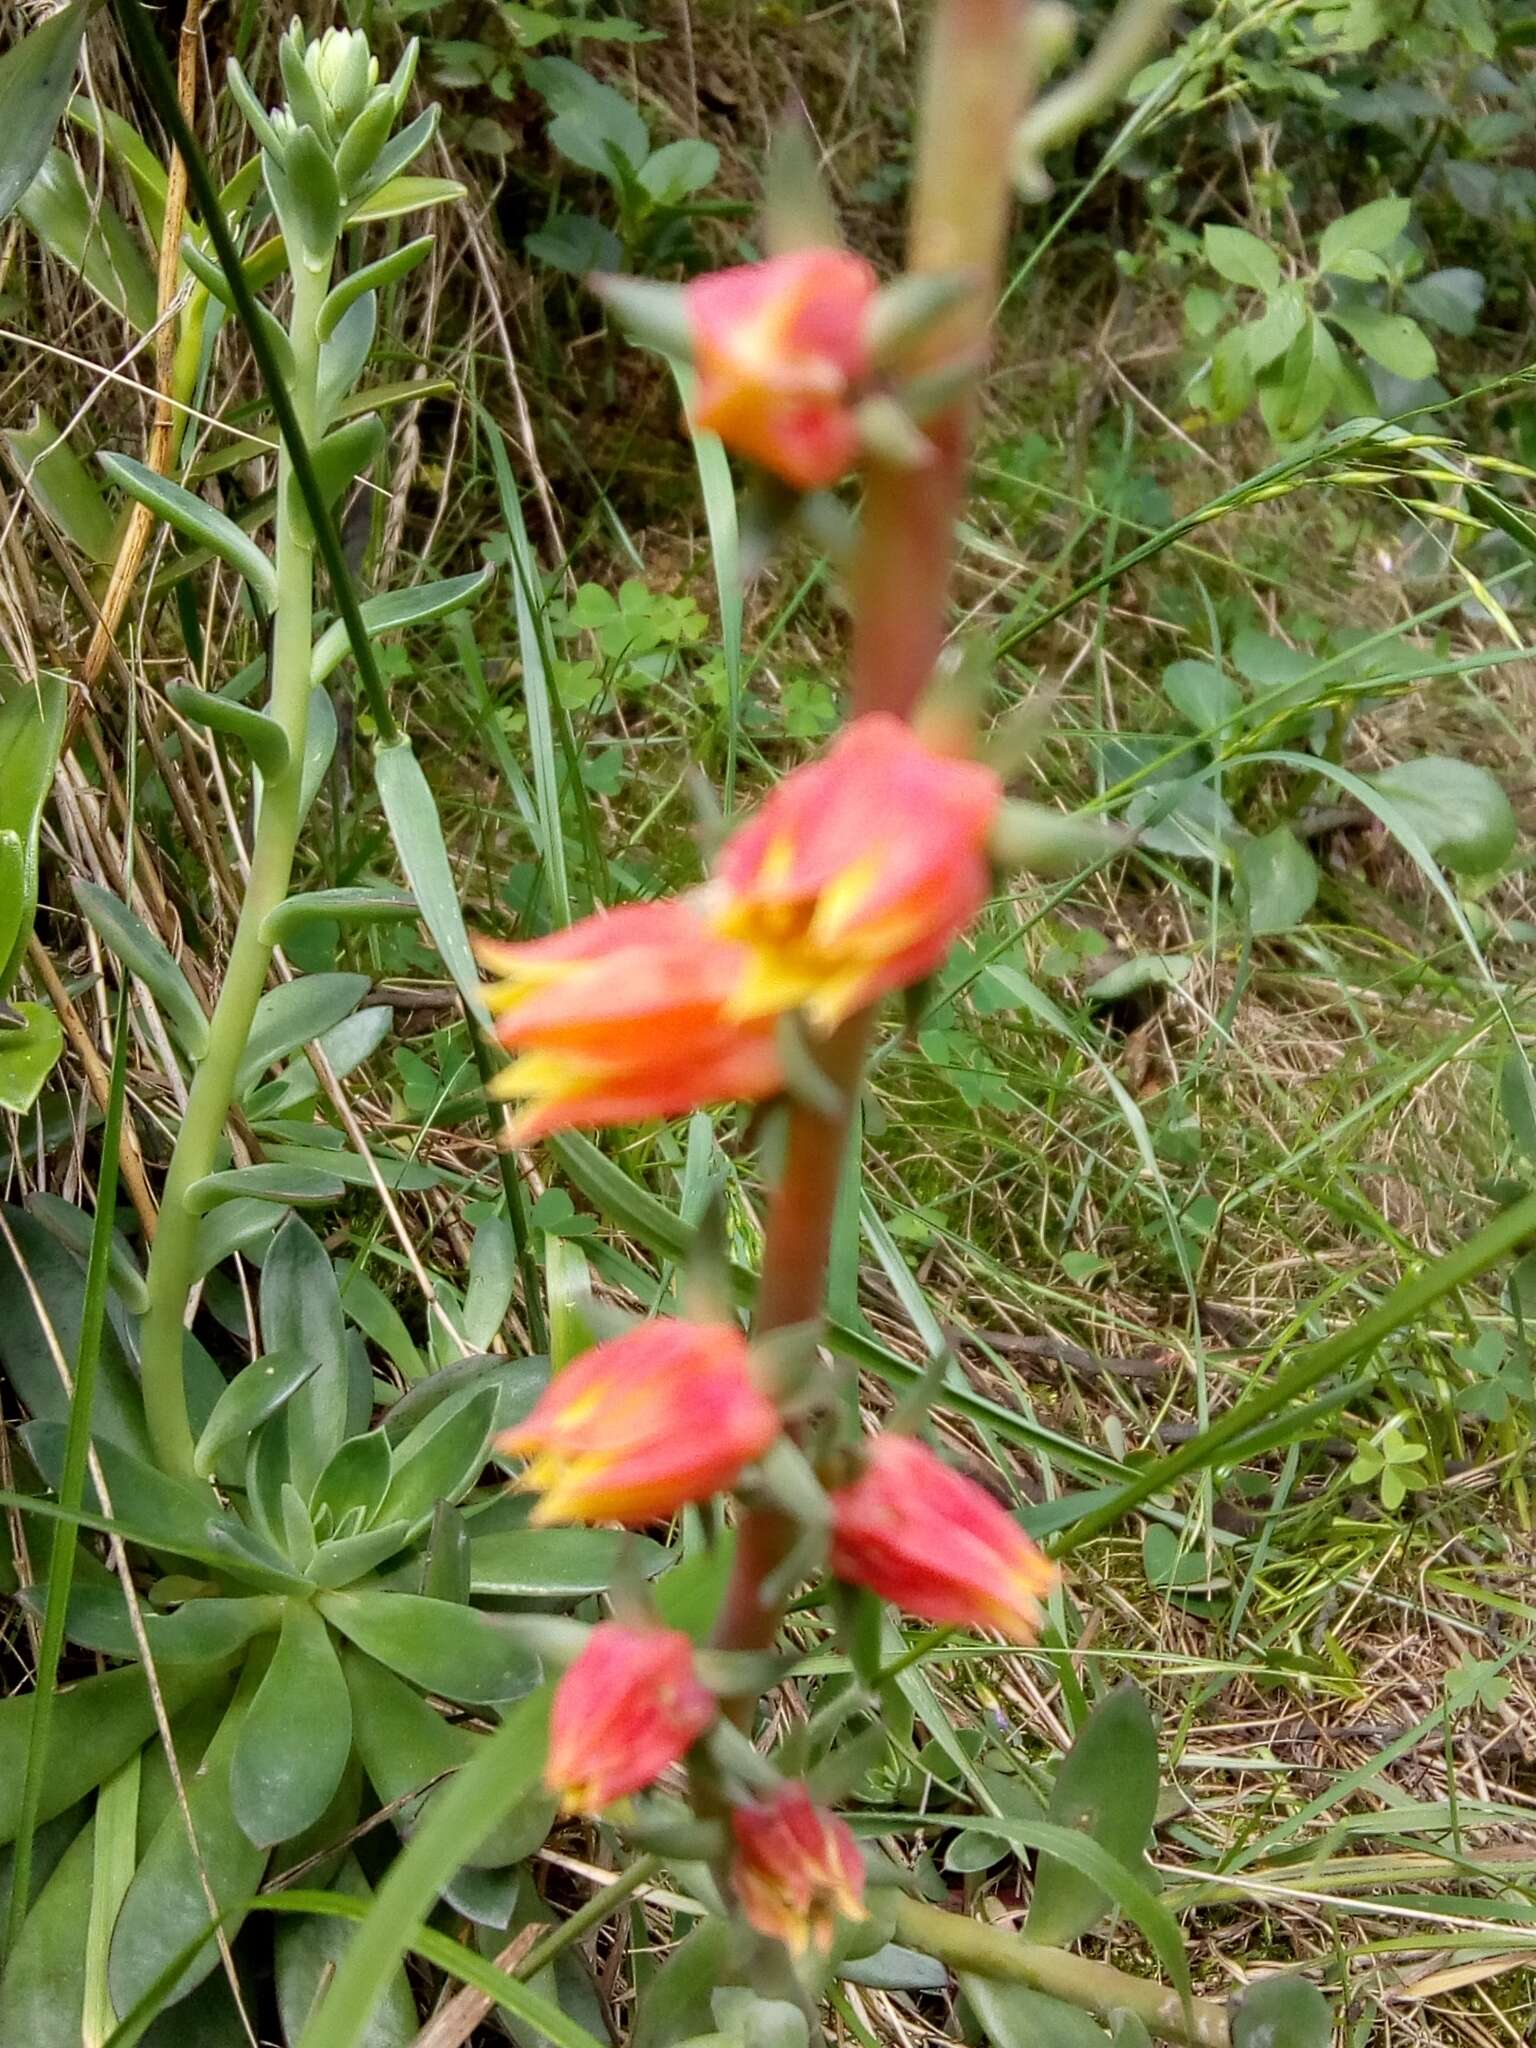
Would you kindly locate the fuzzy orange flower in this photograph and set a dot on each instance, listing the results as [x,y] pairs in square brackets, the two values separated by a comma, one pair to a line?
[631,1704]
[780,349]
[796,1870]
[623,1017]
[933,1542]
[857,873]
[638,1427]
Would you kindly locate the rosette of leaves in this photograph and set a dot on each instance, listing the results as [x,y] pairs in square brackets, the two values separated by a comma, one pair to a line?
[342,1565]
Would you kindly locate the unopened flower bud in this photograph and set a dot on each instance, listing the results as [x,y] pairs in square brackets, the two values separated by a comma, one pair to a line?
[630,1705]
[796,1871]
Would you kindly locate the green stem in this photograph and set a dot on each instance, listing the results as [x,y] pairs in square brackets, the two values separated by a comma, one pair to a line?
[971,1947]
[171,1270]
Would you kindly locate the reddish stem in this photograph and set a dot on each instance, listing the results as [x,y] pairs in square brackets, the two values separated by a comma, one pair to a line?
[976,84]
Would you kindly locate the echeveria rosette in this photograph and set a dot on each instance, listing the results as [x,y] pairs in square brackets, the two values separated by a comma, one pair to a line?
[666,1415]
[856,874]
[629,1706]
[935,1544]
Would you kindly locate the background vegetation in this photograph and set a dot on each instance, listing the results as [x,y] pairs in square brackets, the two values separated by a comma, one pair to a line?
[1153,1130]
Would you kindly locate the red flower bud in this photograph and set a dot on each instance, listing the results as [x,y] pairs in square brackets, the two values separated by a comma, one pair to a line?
[666,1414]
[857,872]
[796,1869]
[780,349]
[630,1705]
[921,1536]
[623,1017]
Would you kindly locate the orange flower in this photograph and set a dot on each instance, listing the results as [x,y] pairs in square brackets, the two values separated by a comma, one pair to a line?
[639,1427]
[624,1017]
[796,1869]
[928,1540]
[857,873]
[630,1705]
[780,349]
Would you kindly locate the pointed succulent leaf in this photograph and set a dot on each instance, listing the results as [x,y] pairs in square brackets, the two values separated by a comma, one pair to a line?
[195,521]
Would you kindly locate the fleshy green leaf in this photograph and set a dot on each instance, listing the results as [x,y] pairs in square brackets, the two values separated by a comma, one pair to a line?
[62,484]
[295,1739]
[405,195]
[370,277]
[264,1387]
[356,1478]
[167,1907]
[292,1014]
[1014,2016]
[441,1647]
[42,1989]
[29,1052]
[343,906]
[293,1186]
[307,1952]
[557,1564]
[196,521]
[394,611]
[31,730]
[301,1312]
[262,737]
[125,934]
[407,1746]
[36,74]
[86,231]
[441,1458]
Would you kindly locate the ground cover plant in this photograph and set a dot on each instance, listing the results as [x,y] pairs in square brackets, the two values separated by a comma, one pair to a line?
[764,942]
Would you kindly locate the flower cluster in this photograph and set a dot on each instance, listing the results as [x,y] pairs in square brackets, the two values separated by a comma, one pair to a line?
[852,879]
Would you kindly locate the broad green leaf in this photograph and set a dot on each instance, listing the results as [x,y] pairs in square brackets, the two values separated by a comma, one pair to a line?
[296,1737]
[557,1564]
[343,455]
[294,1186]
[343,356]
[406,1747]
[1391,339]
[167,1908]
[396,610]
[440,1459]
[1202,695]
[894,1968]
[592,122]
[1295,394]
[1281,2012]
[36,74]
[576,244]
[42,1988]
[301,1314]
[202,1631]
[1014,2016]
[1457,808]
[1280,877]
[292,1014]
[671,173]
[29,1052]
[417,832]
[343,1560]
[1242,258]
[518,1383]
[307,1952]
[492,1279]
[1448,299]
[123,142]
[346,1046]
[1373,229]
[677,2005]
[1229,376]
[1277,327]
[367,1305]
[262,737]
[195,521]
[445,1561]
[76,224]
[264,1387]
[441,1647]
[1106,1786]
[63,486]
[1517,1100]
[31,730]
[125,934]
[1189,819]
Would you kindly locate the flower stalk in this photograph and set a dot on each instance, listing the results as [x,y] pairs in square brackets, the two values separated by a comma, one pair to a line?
[171,1275]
